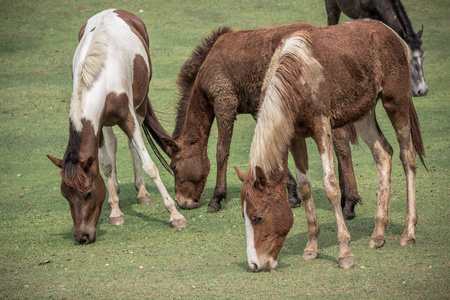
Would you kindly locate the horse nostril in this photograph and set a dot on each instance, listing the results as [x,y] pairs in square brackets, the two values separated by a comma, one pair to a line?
[255,267]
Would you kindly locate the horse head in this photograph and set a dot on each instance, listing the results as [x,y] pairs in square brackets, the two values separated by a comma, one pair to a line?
[418,85]
[267,215]
[84,188]
[190,166]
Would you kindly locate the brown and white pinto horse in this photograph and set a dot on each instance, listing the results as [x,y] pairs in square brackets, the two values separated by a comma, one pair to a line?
[111,75]
[321,79]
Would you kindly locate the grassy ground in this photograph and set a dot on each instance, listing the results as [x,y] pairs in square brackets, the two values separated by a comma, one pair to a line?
[145,257]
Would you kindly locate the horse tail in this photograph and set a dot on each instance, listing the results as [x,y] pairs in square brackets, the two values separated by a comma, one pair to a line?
[416,135]
[154,132]
[189,70]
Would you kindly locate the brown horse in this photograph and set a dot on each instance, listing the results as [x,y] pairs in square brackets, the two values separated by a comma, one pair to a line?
[111,75]
[319,79]
[393,14]
[223,78]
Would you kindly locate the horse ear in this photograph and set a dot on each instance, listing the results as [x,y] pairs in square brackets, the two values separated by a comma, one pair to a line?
[56,161]
[419,33]
[86,164]
[261,179]
[240,174]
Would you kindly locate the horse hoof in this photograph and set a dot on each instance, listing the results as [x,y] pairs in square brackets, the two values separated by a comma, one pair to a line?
[347,262]
[310,255]
[376,243]
[213,207]
[179,223]
[294,202]
[117,220]
[145,200]
[407,241]
[349,215]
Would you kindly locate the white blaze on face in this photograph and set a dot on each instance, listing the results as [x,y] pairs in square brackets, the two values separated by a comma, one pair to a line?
[251,251]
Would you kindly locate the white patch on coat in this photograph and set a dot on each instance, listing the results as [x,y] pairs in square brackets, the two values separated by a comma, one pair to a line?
[103,63]
[252,258]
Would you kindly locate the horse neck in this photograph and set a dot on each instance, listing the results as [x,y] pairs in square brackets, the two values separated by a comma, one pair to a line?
[398,20]
[83,144]
[194,120]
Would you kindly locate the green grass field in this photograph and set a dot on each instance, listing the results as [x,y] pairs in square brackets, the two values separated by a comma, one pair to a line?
[146,258]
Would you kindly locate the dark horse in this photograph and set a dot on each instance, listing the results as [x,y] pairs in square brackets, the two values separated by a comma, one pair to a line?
[111,75]
[222,78]
[393,14]
[319,79]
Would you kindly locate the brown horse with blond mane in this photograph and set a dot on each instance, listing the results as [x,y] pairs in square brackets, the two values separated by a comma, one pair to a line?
[319,79]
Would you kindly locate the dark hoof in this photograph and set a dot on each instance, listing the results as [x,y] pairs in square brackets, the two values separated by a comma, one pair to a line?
[213,207]
[310,255]
[180,223]
[349,215]
[145,200]
[376,243]
[295,202]
[117,220]
[347,262]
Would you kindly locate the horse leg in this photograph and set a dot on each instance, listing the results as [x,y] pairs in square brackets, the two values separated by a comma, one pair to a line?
[291,185]
[300,155]
[323,139]
[347,182]
[133,131]
[225,111]
[369,131]
[107,155]
[401,121]
[139,184]
[333,12]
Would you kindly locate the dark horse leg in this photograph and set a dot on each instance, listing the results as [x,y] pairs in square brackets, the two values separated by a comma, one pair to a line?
[333,12]
[347,182]
[225,124]
[291,185]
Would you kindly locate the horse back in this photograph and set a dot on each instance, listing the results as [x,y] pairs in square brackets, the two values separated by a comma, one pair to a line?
[112,58]
[361,59]
[238,61]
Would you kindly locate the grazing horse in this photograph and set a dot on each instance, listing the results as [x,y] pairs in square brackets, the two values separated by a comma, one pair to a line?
[320,79]
[111,75]
[393,14]
[222,78]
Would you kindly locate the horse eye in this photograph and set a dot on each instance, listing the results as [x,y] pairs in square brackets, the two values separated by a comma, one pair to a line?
[89,194]
[258,219]
[173,168]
